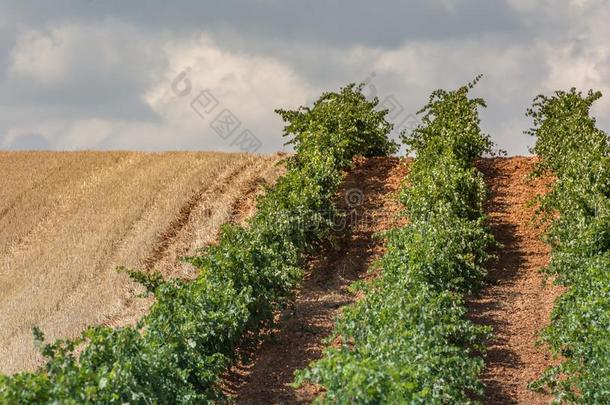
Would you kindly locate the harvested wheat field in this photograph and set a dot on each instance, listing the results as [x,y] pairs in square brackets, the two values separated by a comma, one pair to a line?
[68,220]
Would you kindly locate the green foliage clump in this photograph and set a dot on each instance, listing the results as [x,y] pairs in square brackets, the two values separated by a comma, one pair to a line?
[176,352]
[573,150]
[402,345]
[407,340]
[565,132]
[342,124]
[450,129]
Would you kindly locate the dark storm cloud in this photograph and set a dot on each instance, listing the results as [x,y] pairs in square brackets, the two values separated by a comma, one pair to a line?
[333,22]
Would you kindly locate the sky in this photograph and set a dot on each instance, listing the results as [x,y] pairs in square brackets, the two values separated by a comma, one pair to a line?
[201,75]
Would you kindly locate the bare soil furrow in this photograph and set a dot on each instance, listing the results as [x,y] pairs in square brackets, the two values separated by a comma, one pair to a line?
[518,300]
[298,337]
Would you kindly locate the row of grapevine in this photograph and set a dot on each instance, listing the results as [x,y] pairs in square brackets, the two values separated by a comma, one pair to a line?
[577,154]
[176,353]
[407,340]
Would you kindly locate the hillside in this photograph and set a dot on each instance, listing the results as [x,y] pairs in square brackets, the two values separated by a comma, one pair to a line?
[359,277]
[516,303]
[69,219]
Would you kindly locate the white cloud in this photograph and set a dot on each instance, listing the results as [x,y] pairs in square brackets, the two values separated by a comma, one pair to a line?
[250,86]
[584,61]
[64,135]
[39,56]
[87,83]
[72,51]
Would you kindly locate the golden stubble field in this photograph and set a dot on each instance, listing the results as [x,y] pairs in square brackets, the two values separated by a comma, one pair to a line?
[68,219]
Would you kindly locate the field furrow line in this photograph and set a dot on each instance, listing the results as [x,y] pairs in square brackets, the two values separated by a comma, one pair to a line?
[298,335]
[518,300]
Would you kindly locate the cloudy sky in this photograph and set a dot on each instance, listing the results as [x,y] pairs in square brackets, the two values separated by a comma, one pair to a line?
[159,75]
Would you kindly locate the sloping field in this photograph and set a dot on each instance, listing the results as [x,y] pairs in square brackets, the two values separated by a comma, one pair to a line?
[299,337]
[67,220]
[516,303]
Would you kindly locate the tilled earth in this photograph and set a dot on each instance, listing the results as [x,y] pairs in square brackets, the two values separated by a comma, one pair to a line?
[369,198]
[517,301]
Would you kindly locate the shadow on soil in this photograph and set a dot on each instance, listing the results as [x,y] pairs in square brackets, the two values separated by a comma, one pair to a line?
[297,338]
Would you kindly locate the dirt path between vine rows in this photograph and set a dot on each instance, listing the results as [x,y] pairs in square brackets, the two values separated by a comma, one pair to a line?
[517,303]
[369,195]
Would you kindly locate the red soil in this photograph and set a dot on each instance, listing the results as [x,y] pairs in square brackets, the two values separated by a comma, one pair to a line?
[369,196]
[518,301]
